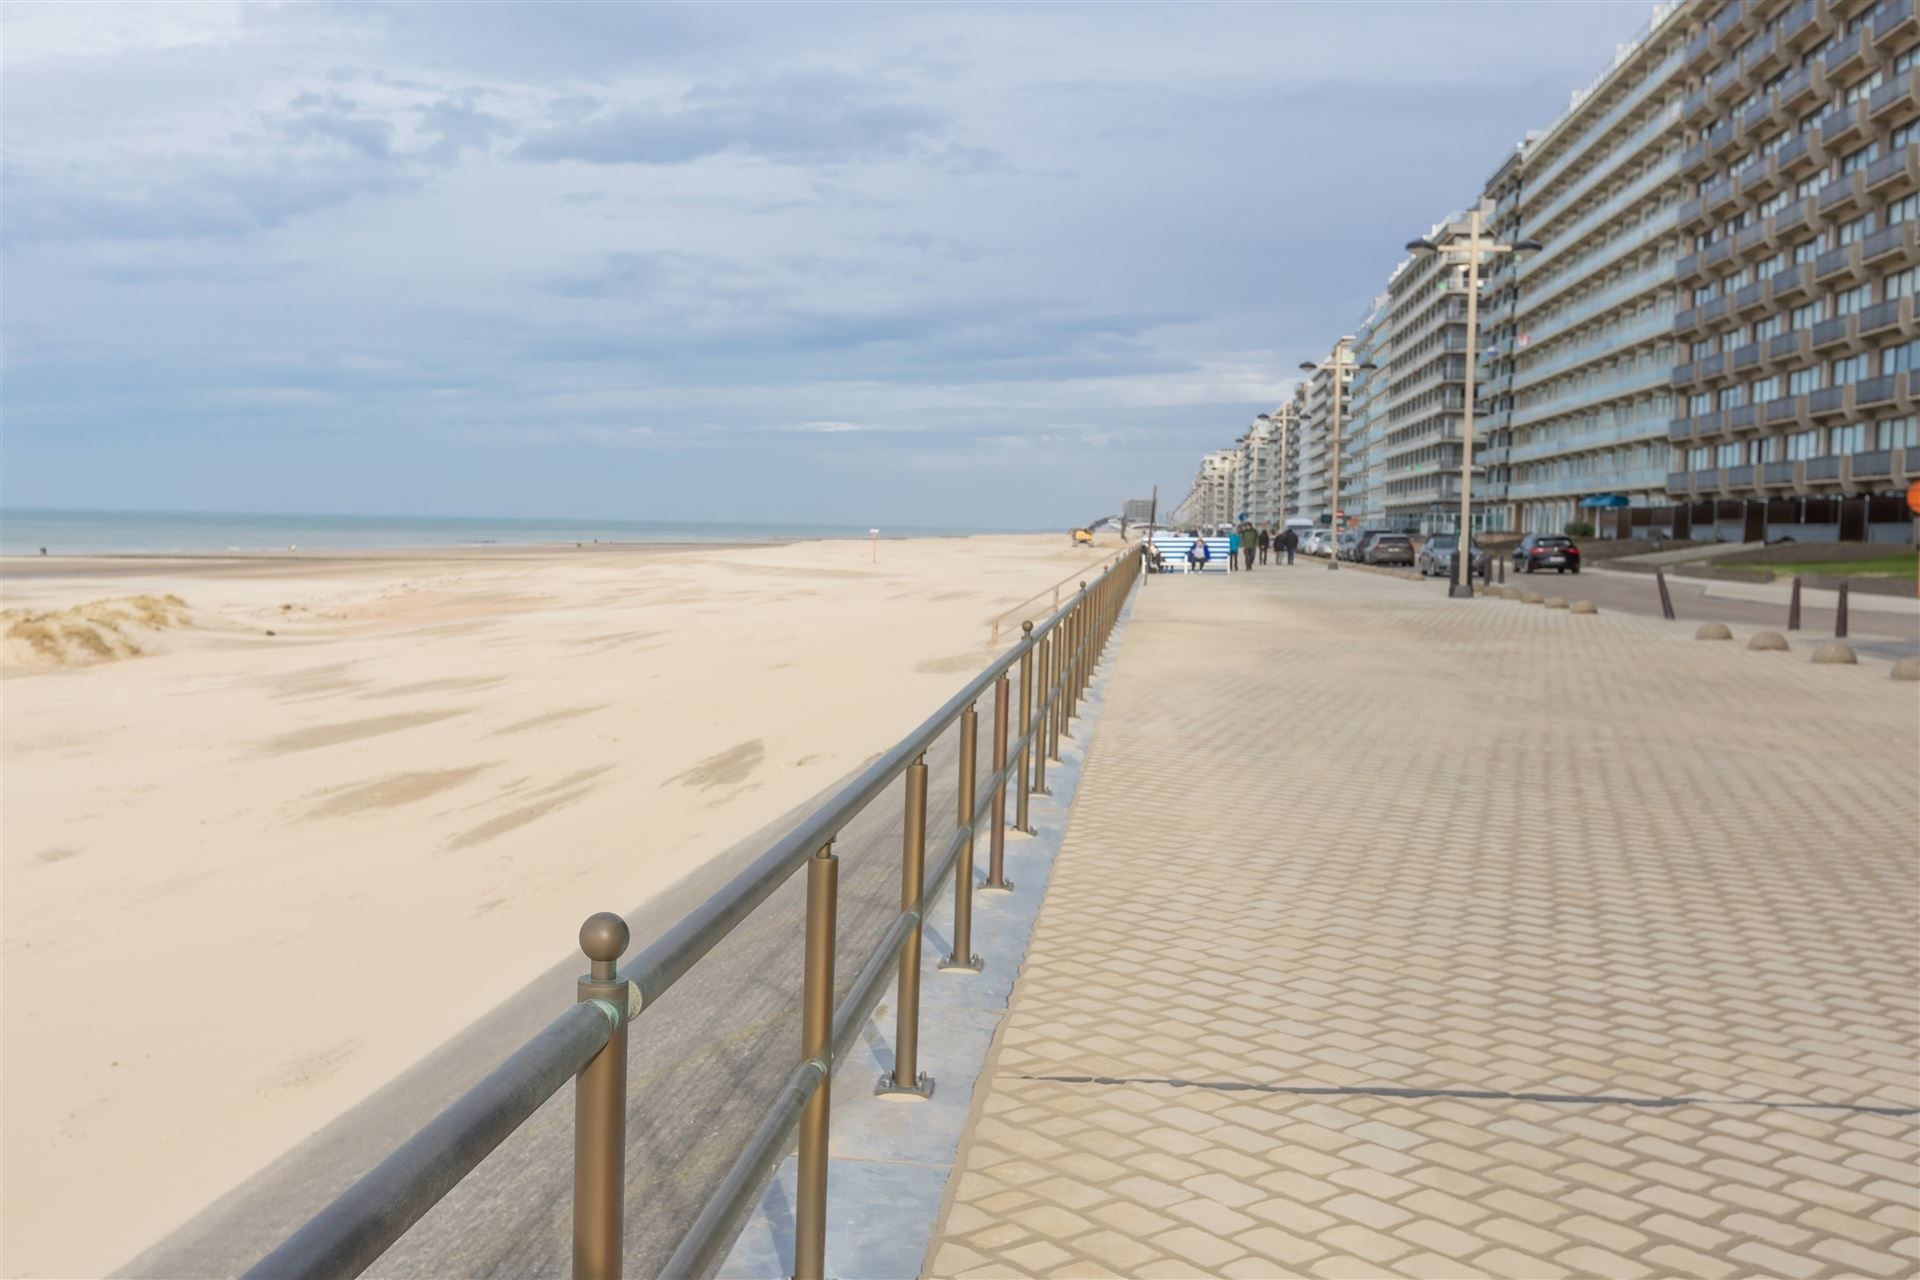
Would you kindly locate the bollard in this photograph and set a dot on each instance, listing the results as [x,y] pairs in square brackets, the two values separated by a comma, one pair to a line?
[1666,601]
[816,1045]
[997,843]
[963,957]
[906,1076]
[1840,613]
[1503,573]
[600,1111]
[1020,820]
[1793,606]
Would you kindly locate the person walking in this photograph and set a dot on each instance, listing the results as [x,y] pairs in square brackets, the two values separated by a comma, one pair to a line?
[1291,541]
[1247,546]
[1266,541]
[1233,548]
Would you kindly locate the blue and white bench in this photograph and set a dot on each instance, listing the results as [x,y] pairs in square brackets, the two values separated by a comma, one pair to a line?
[1173,548]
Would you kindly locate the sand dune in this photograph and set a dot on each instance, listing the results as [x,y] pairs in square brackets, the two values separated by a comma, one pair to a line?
[232,858]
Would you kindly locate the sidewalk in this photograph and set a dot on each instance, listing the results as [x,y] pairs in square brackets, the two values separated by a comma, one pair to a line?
[1395,935]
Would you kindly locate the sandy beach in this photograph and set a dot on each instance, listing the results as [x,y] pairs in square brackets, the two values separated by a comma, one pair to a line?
[270,796]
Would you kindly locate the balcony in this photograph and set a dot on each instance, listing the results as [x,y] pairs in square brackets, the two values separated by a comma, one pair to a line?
[1843,195]
[1689,268]
[1790,348]
[1897,100]
[1710,367]
[1795,282]
[1823,468]
[1737,478]
[1831,333]
[1875,464]
[1680,431]
[1772,473]
[1682,375]
[1686,321]
[1828,402]
[1728,18]
[1693,212]
[1847,57]
[1755,117]
[1870,392]
[1750,298]
[1759,179]
[1676,482]
[1844,126]
[1897,24]
[1893,175]
[1717,252]
[1746,358]
[1695,103]
[1835,264]
[1698,49]
[1765,56]
[1790,222]
[1713,312]
[1742,417]
[1749,238]
[1895,242]
[1718,139]
[1800,154]
[1787,409]
[1797,92]
[1804,23]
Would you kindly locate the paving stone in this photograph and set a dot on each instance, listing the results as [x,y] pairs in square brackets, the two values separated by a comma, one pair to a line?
[1689,914]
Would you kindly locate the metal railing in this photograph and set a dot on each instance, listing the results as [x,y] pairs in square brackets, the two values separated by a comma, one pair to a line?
[588,1043]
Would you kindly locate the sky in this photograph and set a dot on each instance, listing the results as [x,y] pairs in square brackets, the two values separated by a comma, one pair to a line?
[982,265]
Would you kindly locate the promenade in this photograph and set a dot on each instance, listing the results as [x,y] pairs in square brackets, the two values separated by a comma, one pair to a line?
[1401,936]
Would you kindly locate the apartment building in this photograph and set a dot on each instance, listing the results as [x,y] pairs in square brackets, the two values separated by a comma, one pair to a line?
[1363,462]
[1579,337]
[1322,409]
[1210,500]
[1796,332]
[1292,501]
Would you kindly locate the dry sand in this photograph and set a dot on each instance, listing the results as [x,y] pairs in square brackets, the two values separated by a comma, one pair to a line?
[231,857]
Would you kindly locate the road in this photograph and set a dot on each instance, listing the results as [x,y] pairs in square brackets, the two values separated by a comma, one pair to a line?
[704,1063]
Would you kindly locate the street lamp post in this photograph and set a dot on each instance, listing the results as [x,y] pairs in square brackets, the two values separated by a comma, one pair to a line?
[1472,247]
[1337,365]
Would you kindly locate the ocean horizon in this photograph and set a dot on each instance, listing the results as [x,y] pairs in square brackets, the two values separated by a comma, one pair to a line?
[25,531]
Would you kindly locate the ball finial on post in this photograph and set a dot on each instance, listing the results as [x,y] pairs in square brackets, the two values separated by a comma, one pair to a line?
[604,938]
[1026,628]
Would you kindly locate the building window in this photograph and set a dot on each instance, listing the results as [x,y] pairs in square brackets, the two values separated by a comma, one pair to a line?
[1858,229]
[1802,381]
[1806,251]
[1699,458]
[1903,135]
[1702,348]
[1802,445]
[1766,389]
[1733,397]
[1848,301]
[1906,61]
[1862,88]
[1900,359]
[1905,209]
[1807,315]
[1772,326]
[1897,433]
[1728,455]
[1701,404]
[1848,439]
[1847,371]
[1859,159]
[1766,449]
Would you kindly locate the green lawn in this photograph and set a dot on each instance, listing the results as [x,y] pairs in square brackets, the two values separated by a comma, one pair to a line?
[1894,564]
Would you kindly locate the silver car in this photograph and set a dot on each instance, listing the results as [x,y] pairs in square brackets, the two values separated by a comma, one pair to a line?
[1436,556]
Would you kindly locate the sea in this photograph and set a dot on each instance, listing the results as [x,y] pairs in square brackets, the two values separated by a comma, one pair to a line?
[26,531]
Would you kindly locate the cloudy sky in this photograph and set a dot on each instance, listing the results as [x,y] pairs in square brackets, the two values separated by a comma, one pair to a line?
[989,264]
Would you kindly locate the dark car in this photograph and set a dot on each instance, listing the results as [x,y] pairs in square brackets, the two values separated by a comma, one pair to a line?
[1387,548]
[1539,551]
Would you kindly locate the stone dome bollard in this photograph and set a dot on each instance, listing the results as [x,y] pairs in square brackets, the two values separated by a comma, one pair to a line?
[1768,641]
[1582,606]
[1835,654]
[1713,631]
[1556,602]
[1907,669]
[1530,597]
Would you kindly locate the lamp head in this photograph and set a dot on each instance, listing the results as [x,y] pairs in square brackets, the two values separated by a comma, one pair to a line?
[1366,364]
[1421,248]
[1526,248]
[1308,366]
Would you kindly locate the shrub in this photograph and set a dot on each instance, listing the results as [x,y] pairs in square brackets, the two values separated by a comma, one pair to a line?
[1578,529]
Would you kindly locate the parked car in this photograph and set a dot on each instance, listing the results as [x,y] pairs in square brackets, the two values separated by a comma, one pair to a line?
[1436,556]
[1387,548]
[1539,551]
[1356,550]
[1315,543]
[1343,549]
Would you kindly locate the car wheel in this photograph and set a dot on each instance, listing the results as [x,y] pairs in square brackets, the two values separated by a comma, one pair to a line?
[1576,568]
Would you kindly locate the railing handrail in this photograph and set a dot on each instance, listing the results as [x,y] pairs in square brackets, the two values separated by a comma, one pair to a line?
[1000,618]
[359,1225]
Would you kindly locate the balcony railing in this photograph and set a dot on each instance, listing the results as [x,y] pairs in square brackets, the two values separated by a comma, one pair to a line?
[1657,76]
[1594,391]
[1586,308]
[1631,148]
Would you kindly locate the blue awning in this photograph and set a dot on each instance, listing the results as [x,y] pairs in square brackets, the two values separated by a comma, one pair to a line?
[1606,500]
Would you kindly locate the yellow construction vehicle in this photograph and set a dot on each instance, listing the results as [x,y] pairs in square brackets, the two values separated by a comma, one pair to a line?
[1082,537]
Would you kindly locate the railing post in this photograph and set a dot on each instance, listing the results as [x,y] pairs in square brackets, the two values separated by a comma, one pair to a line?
[997,843]
[1056,650]
[963,957]
[1042,743]
[1666,601]
[816,1045]
[1026,738]
[906,1076]
[1840,613]
[600,1112]
[1793,606]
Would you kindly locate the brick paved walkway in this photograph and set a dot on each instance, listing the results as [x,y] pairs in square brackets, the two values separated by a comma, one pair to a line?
[1447,854]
